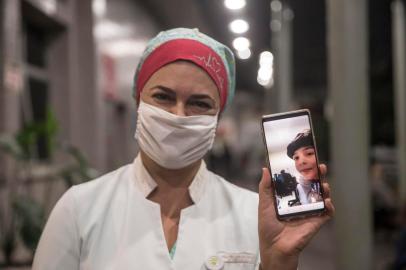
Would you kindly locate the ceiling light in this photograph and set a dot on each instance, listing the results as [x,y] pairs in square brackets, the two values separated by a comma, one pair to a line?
[99,7]
[124,47]
[238,26]
[49,6]
[244,54]
[107,29]
[265,77]
[266,59]
[241,43]
[276,5]
[288,14]
[265,72]
[234,4]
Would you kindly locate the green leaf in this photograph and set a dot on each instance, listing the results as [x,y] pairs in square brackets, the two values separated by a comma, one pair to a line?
[49,129]
[30,219]
[8,245]
[10,146]
[26,138]
[67,176]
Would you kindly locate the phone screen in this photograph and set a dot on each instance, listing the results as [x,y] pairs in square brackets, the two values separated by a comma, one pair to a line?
[293,162]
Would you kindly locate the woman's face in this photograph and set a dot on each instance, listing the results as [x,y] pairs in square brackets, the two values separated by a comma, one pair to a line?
[305,162]
[182,88]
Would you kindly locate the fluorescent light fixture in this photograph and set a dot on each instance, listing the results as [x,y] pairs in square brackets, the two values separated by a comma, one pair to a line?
[265,77]
[49,6]
[124,47]
[244,54]
[99,7]
[266,59]
[265,71]
[276,5]
[106,29]
[239,26]
[234,4]
[265,74]
[261,81]
[288,14]
[241,43]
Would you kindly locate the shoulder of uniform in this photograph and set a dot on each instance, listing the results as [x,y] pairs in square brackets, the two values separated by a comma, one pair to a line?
[96,195]
[103,182]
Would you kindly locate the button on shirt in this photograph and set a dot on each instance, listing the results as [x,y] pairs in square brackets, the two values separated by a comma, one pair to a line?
[108,223]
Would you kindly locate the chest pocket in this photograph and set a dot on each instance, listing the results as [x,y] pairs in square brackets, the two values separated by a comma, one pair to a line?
[231,261]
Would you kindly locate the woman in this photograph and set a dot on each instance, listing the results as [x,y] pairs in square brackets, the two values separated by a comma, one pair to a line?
[166,210]
[302,151]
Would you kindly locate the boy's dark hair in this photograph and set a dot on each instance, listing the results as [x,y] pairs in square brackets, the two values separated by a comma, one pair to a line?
[302,139]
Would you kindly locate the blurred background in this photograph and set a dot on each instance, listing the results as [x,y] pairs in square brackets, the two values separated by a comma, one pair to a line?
[67,115]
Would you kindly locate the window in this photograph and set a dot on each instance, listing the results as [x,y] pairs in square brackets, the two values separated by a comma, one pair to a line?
[35,101]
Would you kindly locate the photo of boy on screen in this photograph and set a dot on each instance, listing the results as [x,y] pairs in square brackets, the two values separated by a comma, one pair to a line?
[301,151]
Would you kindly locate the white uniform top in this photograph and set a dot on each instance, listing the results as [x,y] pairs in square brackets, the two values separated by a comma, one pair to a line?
[108,223]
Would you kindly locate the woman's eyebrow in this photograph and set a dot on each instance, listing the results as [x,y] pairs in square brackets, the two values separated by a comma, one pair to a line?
[171,92]
[202,96]
[165,89]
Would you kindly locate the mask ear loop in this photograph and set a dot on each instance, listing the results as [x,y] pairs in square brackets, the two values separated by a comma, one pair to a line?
[213,136]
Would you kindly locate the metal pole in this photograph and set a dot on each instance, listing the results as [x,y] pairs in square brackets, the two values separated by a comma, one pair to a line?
[399,62]
[272,94]
[280,94]
[348,86]
[285,63]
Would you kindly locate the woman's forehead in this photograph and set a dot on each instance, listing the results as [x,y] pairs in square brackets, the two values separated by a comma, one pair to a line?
[184,78]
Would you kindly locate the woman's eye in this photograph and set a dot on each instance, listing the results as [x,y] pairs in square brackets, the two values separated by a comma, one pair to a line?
[161,97]
[201,104]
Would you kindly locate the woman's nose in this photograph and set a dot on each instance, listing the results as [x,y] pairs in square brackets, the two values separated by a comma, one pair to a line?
[179,109]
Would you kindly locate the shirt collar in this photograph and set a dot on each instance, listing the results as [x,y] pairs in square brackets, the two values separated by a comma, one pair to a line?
[146,184]
[304,182]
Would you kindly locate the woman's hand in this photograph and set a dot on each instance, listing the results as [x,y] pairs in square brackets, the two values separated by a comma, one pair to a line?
[282,241]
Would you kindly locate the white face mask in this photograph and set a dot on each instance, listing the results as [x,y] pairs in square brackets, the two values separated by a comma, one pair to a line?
[174,141]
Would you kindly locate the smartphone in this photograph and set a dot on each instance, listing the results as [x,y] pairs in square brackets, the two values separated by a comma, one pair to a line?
[293,163]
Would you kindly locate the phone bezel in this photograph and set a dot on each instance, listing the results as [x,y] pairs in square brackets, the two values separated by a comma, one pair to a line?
[285,115]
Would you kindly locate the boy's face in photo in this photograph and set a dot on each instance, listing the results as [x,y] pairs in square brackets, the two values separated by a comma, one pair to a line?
[305,162]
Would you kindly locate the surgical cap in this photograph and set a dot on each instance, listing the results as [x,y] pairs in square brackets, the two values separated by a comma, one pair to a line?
[191,45]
